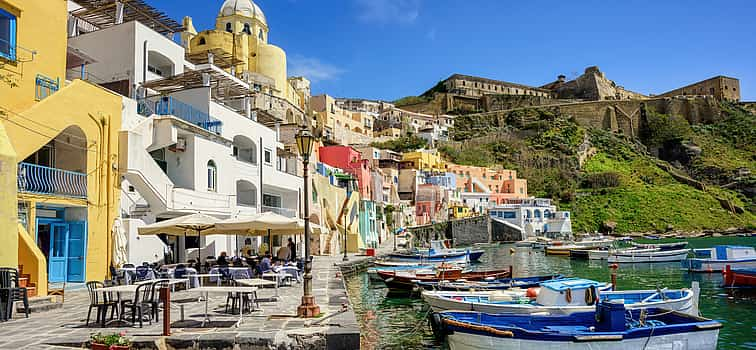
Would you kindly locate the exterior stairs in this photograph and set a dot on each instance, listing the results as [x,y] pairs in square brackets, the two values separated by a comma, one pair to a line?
[39,304]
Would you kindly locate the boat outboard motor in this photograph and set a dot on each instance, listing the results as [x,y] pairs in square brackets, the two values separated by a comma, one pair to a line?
[610,316]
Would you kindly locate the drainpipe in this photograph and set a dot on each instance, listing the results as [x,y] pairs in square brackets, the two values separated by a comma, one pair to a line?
[145,59]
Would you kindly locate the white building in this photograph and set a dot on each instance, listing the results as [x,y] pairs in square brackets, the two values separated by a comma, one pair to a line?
[192,140]
[534,217]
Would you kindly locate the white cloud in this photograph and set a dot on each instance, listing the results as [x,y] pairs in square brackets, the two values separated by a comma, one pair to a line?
[313,69]
[388,11]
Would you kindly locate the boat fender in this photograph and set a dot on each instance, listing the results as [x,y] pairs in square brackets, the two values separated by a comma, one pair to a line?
[590,295]
[532,292]
[568,295]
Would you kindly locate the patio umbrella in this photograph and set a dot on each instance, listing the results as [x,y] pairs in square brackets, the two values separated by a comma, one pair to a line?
[187,225]
[259,225]
[120,249]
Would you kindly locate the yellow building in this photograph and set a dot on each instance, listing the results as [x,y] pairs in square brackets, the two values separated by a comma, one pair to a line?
[58,209]
[239,43]
[340,125]
[424,160]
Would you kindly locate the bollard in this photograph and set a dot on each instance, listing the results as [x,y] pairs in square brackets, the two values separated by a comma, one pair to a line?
[614,281]
[165,294]
[511,273]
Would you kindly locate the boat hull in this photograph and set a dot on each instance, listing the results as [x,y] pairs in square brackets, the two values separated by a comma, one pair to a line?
[739,278]
[598,255]
[399,281]
[701,340]
[686,304]
[648,257]
[711,265]
[455,257]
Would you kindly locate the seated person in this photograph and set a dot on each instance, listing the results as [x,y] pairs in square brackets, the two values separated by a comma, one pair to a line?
[222,260]
[180,271]
[264,265]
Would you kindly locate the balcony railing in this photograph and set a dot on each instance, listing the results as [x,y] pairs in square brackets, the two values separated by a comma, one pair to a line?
[181,110]
[290,213]
[39,179]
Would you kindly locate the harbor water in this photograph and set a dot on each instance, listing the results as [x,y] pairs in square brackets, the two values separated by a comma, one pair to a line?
[400,322]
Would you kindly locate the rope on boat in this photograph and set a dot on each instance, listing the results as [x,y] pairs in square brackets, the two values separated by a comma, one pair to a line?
[478,328]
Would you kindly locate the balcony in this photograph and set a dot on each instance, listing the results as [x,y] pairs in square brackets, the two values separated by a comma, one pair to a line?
[39,179]
[289,213]
[173,107]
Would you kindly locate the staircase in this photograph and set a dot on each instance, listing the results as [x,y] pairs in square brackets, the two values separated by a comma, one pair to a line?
[39,304]
[24,281]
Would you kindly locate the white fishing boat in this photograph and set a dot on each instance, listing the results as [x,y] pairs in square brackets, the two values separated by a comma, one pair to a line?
[609,327]
[715,259]
[646,256]
[603,254]
[563,297]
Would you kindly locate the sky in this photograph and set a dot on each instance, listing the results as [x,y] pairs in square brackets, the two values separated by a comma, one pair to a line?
[387,49]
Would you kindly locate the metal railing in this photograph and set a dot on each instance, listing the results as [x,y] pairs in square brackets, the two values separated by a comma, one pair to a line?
[39,179]
[45,87]
[290,213]
[181,110]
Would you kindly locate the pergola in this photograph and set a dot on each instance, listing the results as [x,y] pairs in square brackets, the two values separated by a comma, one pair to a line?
[107,13]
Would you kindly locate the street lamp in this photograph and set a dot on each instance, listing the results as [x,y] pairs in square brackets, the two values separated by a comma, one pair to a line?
[308,308]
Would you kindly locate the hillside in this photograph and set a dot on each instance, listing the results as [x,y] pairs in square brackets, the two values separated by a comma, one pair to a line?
[675,176]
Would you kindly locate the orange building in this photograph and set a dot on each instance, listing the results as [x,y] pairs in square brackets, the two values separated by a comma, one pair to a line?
[500,184]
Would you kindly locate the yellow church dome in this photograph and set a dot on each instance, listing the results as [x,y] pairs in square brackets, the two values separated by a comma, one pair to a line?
[242,7]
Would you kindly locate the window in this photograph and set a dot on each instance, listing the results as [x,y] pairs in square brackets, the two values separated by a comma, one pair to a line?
[229,28]
[507,214]
[247,30]
[202,41]
[268,156]
[45,86]
[212,177]
[7,35]
[270,200]
[261,35]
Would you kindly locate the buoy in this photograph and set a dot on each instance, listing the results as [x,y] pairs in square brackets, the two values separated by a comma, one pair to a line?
[532,292]
[613,266]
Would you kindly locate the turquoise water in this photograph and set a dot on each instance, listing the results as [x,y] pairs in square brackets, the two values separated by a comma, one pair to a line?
[399,322]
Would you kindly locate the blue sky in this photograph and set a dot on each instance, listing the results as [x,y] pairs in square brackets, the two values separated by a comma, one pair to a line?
[386,49]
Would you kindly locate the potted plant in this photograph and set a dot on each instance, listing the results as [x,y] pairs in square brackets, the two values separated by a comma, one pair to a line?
[109,341]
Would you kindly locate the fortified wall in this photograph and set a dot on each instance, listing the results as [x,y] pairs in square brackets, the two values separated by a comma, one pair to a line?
[616,115]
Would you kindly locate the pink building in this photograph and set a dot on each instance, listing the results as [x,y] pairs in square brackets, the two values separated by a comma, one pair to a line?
[349,160]
[429,204]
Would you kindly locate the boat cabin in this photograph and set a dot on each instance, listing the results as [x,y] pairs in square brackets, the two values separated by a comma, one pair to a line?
[569,291]
[725,252]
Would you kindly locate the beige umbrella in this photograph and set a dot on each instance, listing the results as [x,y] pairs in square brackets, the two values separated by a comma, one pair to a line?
[187,225]
[267,223]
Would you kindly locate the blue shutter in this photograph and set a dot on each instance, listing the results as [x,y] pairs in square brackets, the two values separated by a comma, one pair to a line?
[8,44]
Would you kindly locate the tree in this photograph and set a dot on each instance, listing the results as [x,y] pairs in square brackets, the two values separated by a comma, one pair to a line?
[403,144]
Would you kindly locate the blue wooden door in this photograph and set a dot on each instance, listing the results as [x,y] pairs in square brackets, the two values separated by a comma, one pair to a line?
[77,247]
[58,261]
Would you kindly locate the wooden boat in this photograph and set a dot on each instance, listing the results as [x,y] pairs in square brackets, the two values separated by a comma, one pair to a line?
[739,278]
[373,271]
[565,249]
[647,256]
[715,259]
[564,297]
[661,246]
[609,327]
[405,280]
[500,284]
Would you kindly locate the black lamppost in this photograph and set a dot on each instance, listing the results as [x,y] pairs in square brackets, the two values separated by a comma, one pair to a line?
[308,308]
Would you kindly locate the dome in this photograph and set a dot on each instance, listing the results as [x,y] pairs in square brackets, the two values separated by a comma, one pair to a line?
[243,7]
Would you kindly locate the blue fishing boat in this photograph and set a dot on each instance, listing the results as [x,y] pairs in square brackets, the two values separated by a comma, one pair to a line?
[609,327]
[715,259]
[500,284]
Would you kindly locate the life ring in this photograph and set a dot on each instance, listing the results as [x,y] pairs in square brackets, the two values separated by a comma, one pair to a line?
[568,295]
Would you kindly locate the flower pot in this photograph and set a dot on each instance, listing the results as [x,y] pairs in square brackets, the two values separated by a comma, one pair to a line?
[96,346]
[120,347]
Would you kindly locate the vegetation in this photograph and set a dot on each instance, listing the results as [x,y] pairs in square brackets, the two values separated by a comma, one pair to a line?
[406,143]
[410,100]
[621,182]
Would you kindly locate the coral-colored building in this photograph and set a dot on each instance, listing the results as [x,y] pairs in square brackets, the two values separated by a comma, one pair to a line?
[501,185]
[350,160]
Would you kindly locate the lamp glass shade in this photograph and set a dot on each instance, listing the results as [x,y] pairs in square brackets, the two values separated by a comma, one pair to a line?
[305,140]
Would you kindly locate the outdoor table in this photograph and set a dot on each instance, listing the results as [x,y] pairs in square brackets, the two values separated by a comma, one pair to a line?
[236,272]
[199,276]
[258,282]
[190,273]
[131,272]
[278,276]
[172,282]
[292,271]
[206,291]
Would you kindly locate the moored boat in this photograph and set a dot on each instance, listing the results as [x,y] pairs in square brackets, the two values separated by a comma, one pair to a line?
[565,297]
[405,280]
[661,246]
[739,278]
[438,252]
[500,284]
[647,256]
[715,259]
[608,327]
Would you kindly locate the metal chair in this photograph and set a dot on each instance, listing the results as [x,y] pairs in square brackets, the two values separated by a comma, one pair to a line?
[142,273]
[100,301]
[12,291]
[155,298]
[117,277]
[242,300]
[140,305]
